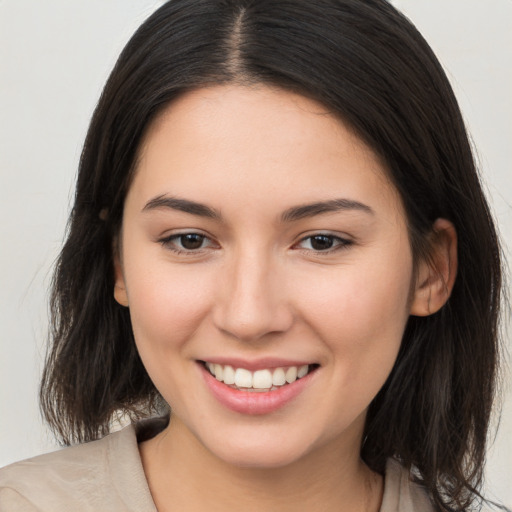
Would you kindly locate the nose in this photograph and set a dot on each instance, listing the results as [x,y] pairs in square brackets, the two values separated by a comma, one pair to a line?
[252,303]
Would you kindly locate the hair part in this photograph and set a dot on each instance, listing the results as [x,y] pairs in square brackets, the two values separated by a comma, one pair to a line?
[368,65]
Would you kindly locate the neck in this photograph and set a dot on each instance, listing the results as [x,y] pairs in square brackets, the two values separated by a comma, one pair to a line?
[184,475]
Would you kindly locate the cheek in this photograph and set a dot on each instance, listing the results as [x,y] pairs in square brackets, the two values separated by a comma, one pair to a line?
[166,305]
[360,311]
[166,308]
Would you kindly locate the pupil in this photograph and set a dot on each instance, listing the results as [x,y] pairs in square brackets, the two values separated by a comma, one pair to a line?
[321,242]
[192,241]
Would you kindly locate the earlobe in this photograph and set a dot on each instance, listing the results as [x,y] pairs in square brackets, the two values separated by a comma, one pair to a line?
[120,293]
[436,277]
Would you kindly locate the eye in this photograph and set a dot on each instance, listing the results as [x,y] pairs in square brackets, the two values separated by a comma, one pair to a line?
[186,242]
[323,243]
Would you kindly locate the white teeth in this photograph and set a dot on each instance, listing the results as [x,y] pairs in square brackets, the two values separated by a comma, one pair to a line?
[302,371]
[243,378]
[219,372]
[229,375]
[291,374]
[278,377]
[260,380]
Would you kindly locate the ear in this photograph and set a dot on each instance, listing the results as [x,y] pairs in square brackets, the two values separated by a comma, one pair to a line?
[120,293]
[436,277]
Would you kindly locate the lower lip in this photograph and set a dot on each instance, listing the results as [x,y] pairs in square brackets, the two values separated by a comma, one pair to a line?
[255,403]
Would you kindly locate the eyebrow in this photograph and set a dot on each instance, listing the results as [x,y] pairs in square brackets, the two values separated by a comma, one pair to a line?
[331,206]
[294,213]
[182,205]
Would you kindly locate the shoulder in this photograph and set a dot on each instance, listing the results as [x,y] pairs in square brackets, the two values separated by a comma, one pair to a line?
[401,494]
[100,475]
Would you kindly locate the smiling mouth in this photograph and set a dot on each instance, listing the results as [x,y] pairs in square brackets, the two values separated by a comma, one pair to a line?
[259,381]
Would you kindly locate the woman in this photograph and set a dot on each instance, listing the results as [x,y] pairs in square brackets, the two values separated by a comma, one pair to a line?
[279,233]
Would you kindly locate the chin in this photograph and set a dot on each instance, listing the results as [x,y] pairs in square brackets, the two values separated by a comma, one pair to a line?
[264,451]
[258,457]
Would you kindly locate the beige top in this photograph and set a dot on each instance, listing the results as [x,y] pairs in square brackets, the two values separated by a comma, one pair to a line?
[107,476]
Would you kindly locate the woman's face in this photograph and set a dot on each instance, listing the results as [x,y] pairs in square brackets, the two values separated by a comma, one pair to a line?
[261,235]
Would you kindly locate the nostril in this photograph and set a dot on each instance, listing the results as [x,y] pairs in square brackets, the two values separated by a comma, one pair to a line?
[252,324]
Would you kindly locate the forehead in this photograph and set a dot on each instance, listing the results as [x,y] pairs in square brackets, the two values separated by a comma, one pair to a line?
[270,145]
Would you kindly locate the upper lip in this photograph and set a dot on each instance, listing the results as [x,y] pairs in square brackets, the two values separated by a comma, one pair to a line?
[256,364]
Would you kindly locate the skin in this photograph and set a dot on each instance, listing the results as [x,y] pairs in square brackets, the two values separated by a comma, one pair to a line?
[257,287]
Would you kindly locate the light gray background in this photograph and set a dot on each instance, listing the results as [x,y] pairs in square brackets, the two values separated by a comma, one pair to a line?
[55,56]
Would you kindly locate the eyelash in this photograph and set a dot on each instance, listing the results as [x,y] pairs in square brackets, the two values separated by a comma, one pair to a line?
[340,243]
[168,243]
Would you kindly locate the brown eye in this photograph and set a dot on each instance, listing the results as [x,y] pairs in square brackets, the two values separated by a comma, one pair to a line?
[321,242]
[184,243]
[191,241]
